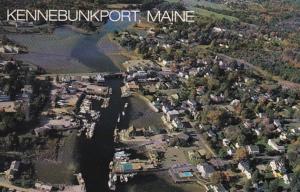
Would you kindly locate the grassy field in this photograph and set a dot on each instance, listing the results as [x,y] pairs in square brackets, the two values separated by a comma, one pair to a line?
[206,4]
[133,55]
[206,13]
[119,6]
[195,6]
[62,169]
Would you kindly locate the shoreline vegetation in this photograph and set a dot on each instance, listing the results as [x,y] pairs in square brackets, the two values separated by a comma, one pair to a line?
[121,5]
[129,54]
[64,167]
[78,29]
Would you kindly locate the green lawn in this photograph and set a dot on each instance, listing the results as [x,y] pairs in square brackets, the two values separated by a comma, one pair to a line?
[206,13]
[192,5]
[207,4]
[204,3]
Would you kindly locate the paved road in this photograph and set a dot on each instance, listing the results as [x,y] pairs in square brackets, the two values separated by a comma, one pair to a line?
[204,143]
[8,185]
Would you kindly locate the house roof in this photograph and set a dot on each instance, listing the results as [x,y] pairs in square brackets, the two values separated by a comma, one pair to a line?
[173,112]
[208,168]
[183,136]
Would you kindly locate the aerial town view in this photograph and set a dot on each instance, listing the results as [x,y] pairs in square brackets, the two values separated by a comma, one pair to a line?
[149,95]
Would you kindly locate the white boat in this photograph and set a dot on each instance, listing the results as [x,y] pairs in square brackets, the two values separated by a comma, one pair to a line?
[126,105]
[126,178]
[96,116]
[115,178]
[119,119]
[123,113]
[132,175]
[111,185]
[121,178]
[116,131]
[111,165]
[90,131]
[100,78]
[80,179]
[79,133]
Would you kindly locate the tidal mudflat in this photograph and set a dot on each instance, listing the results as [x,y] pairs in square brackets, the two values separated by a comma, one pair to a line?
[67,51]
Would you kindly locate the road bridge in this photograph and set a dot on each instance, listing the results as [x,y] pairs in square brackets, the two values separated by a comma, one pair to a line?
[107,75]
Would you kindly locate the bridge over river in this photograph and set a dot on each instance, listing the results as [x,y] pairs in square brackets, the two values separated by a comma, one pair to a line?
[109,75]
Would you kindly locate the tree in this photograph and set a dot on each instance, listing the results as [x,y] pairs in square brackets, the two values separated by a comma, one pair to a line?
[247,186]
[273,185]
[213,83]
[295,182]
[8,123]
[3,127]
[292,157]
[255,176]
[216,177]
[248,113]
[265,186]
[57,79]
[241,139]
[240,154]
[222,153]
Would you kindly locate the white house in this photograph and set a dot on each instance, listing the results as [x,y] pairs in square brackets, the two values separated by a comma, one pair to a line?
[172,114]
[252,149]
[244,167]
[2,50]
[206,170]
[275,146]
[225,142]
[277,166]
[13,170]
[277,123]
[177,124]
[165,108]
[286,179]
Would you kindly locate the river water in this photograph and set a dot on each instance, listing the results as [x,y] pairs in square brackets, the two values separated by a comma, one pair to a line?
[95,154]
[67,51]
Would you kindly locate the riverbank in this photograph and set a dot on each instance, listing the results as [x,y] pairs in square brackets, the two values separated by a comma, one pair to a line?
[158,182]
[141,114]
[121,51]
[96,153]
[60,170]
[79,30]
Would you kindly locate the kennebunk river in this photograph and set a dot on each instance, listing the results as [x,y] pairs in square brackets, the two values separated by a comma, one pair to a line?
[95,154]
[68,51]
